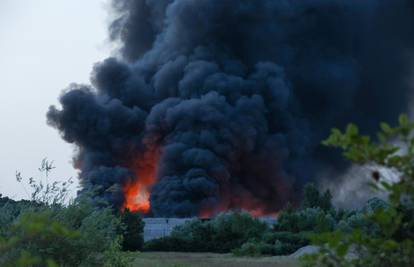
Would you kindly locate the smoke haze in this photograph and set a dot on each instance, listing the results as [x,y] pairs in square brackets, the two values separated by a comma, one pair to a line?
[235,96]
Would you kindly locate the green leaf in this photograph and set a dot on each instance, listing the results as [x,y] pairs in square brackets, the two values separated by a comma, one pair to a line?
[352,130]
[403,120]
[386,128]
[342,249]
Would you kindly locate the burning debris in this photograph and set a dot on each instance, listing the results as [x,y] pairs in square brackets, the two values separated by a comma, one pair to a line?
[214,105]
[137,191]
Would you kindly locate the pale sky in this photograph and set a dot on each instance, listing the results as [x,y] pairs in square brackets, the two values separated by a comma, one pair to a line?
[45,45]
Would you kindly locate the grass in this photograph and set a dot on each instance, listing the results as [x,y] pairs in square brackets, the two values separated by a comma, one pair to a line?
[170,259]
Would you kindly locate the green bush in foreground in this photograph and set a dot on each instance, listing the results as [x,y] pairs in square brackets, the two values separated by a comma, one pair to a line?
[48,237]
[45,231]
[36,239]
[392,244]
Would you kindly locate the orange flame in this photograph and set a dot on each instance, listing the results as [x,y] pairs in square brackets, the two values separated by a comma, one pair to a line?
[247,204]
[137,192]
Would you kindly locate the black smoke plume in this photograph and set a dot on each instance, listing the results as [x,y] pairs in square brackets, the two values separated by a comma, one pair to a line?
[236,95]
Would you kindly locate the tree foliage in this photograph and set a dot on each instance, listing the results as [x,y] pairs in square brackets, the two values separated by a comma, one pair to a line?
[222,234]
[314,199]
[133,239]
[49,231]
[309,219]
[392,244]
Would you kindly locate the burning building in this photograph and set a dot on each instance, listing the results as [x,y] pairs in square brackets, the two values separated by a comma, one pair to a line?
[214,105]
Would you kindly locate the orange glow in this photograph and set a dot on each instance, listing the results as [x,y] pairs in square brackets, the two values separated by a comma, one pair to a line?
[137,192]
[206,213]
[255,212]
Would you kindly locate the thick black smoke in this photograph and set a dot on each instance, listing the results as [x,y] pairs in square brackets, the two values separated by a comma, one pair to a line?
[237,94]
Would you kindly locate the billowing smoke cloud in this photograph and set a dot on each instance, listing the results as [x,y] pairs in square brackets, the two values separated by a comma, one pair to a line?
[236,95]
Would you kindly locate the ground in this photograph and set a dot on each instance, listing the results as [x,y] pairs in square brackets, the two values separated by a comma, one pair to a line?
[164,259]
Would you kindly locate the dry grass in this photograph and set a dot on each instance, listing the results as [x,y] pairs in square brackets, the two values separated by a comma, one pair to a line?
[163,259]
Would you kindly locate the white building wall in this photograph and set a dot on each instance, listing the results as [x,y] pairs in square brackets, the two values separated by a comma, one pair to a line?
[160,227]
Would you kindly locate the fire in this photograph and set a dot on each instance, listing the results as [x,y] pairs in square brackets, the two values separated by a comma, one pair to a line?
[137,192]
[136,197]
[256,211]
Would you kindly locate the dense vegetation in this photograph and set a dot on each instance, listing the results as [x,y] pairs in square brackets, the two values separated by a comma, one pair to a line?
[379,234]
[391,241]
[132,234]
[248,236]
[222,234]
[47,231]
[50,231]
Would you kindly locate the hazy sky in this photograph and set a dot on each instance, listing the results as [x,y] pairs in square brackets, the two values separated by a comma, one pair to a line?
[45,45]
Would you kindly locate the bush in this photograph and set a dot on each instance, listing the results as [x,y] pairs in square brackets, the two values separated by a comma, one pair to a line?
[314,199]
[170,244]
[222,234]
[132,234]
[286,242]
[10,210]
[299,239]
[309,219]
[37,238]
[254,249]
[392,244]
[46,231]
[231,230]
[54,236]
[282,248]
[196,235]
[274,243]
[244,235]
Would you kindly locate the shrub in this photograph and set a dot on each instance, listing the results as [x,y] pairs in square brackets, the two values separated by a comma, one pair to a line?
[10,210]
[46,231]
[357,220]
[45,236]
[274,243]
[245,235]
[231,230]
[171,243]
[314,199]
[282,248]
[132,233]
[222,234]
[197,236]
[299,239]
[309,219]
[254,249]
[37,238]
[286,242]
[392,244]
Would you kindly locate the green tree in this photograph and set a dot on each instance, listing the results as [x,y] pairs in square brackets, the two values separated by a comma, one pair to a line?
[227,231]
[133,231]
[38,240]
[231,230]
[49,231]
[305,220]
[312,198]
[393,243]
